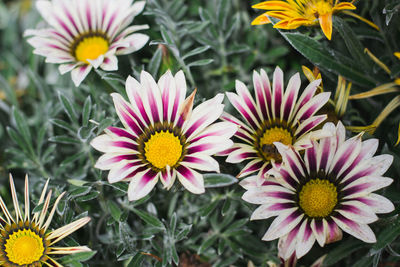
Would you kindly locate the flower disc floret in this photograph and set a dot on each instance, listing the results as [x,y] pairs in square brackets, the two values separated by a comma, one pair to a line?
[90,48]
[266,144]
[24,247]
[317,198]
[162,149]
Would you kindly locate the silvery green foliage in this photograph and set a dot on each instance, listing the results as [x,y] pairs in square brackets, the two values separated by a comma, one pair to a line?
[46,125]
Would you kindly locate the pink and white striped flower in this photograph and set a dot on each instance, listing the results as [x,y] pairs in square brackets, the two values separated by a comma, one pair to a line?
[322,193]
[277,115]
[86,34]
[162,138]
[25,238]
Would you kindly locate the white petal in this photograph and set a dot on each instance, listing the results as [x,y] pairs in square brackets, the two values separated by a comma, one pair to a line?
[79,74]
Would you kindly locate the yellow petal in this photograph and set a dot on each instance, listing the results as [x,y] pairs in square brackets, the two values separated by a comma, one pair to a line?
[387,110]
[283,24]
[261,20]
[370,23]
[273,5]
[377,61]
[398,136]
[308,73]
[297,22]
[397,54]
[369,128]
[380,90]
[344,6]
[326,24]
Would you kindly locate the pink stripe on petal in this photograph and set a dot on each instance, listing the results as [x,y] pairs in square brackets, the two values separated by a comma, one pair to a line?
[89,15]
[140,106]
[121,132]
[277,91]
[345,156]
[165,99]
[360,231]
[251,167]
[124,144]
[136,171]
[288,178]
[289,105]
[124,157]
[309,125]
[190,179]
[153,107]
[64,26]
[311,158]
[245,96]
[334,233]
[260,95]
[139,187]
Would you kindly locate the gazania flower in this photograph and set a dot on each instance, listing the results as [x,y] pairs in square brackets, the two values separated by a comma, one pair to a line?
[277,115]
[162,138]
[86,34]
[295,13]
[26,240]
[322,193]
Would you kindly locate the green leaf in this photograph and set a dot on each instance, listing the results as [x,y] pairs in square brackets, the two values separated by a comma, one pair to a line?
[149,219]
[17,139]
[90,196]
[183,232]
[77,182]
[212,180]
[196,51]
[63,124]
[63,139]
[104,124]
[22,125]
[387,236]
[87,107]
[80,191]
[341,251]
[72,158]
[114,210]
[354,45]
[81,256]
[167,36]
[324,59]
[201,62]
[136,260]
[207,243]
[68,108]
[154,64]
[223,10]
[208,208]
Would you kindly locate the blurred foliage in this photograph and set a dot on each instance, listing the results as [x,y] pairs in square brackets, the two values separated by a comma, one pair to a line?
[46,125]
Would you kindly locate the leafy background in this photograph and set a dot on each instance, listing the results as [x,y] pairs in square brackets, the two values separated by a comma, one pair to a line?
[46,125]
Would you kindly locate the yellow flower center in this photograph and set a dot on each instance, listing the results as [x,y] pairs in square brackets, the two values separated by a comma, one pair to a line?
[270,136]
[318,198]
[314,9]
[24,247]
[91,48]
[162,149]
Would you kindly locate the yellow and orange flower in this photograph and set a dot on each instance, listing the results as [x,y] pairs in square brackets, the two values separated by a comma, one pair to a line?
[295,13]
